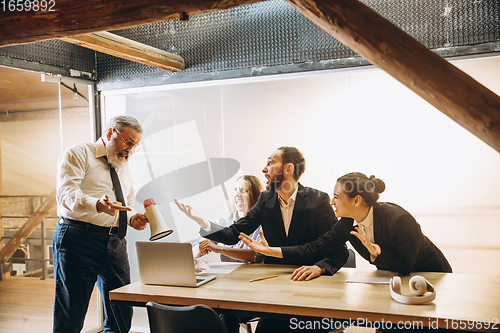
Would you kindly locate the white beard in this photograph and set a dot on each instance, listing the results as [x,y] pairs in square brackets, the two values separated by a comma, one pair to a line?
[113,159]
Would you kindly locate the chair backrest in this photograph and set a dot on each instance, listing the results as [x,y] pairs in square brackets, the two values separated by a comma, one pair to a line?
[183,319]
[351,260]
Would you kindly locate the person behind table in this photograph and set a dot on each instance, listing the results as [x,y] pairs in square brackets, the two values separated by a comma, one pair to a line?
[290,214]
[247,189]
[86,246]
[383,233]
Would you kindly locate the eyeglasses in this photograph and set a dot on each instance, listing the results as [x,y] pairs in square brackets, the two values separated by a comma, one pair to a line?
[130,144]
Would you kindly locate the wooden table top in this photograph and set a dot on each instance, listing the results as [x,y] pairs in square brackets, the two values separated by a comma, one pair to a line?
[460,297]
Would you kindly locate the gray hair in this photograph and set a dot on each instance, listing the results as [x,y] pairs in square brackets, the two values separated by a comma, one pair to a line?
[119,122]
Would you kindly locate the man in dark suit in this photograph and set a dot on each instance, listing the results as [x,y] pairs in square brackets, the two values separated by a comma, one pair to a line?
[290,214]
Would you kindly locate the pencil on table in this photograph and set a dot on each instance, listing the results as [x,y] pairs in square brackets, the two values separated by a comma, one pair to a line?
[263,278]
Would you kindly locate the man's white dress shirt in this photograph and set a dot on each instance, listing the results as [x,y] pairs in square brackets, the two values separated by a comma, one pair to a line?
[287,210]
[83,178]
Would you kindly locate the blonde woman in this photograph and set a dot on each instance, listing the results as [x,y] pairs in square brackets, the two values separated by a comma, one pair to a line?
[245,194]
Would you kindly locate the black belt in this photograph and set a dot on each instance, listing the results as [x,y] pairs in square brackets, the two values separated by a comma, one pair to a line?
[89,226]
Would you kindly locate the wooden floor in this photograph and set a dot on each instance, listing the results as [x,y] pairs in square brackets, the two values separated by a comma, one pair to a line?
[26,306]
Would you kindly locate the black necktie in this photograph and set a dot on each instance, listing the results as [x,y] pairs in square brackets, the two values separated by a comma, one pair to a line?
[122,229]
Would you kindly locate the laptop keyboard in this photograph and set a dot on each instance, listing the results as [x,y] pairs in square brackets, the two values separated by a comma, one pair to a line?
[198,280]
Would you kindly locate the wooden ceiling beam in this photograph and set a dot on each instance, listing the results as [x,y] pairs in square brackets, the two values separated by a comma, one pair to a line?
[122,47]
[443,85]
[70,18]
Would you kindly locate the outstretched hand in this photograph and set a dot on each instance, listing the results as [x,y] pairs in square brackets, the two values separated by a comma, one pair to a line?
[260,246]
[374,249]
[105,205]
[192,213]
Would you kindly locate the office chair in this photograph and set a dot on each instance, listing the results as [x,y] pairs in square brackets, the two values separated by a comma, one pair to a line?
[183,319]
[351,260]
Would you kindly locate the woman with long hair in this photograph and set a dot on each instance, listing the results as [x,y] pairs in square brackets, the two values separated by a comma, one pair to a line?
[245,194]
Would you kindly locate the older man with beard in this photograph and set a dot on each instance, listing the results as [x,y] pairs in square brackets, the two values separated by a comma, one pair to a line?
[290,214]
[95,195]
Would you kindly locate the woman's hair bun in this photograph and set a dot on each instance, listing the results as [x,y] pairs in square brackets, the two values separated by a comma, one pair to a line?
[379,184]
[357,183]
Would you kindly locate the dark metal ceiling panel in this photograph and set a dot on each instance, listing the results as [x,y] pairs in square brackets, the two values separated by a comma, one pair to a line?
[52,56]
[271,37]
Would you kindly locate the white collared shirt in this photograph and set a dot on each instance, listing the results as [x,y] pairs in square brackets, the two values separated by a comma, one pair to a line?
[287,209]
[83,178]
[367,225]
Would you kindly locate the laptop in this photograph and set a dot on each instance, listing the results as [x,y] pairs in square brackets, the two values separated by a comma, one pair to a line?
[168,264]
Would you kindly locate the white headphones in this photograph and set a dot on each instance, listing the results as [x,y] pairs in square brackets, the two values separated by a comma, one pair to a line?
[418,286]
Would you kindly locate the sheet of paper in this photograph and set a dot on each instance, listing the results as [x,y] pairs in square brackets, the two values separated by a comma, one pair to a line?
[371,276]
[220,267]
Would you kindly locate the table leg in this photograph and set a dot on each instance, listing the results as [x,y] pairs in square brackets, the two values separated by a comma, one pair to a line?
[117,312]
